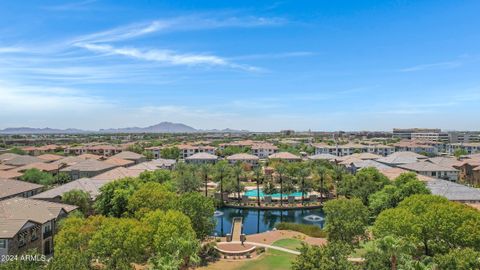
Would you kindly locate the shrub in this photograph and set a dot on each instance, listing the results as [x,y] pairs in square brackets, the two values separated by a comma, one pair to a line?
[310,230]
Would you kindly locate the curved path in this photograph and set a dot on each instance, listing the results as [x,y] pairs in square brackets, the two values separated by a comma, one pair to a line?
[268,246]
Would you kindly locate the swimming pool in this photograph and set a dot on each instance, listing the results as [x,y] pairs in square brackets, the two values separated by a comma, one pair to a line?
[253,193]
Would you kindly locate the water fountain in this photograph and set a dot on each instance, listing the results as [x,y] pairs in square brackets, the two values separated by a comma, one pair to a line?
[217,213]
[313,218]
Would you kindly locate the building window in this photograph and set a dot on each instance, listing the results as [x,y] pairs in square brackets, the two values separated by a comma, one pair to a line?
[3,243]
[34,235]
[21,240]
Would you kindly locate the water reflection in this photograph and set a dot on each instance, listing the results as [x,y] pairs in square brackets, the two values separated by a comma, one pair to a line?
[257,221]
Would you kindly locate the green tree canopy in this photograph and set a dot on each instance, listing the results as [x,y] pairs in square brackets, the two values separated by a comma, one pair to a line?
[333,256]
[432,221]
[38,177]
[79,198]
[150,196]
[345,220]
[170,153]
[366,182]
[114,196]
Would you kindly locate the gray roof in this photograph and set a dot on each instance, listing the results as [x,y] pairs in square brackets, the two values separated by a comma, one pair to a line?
[242,156]
[128,155]
[453,191]
[323,156]
[445,161]
[9,187]
[7,156]
[22,160]
[89,165]
[155,164]
[118,173]
[88,185]
[202,156]
[16,212]
[401,158]
[425,166]
[370,163]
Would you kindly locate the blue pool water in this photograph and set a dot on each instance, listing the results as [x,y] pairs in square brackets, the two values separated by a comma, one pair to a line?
[253,193]
[258,221]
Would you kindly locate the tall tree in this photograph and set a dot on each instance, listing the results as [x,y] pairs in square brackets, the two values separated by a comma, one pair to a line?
[258,174]
[204,172]
[281,170]
[221,172]
[303,173]
[346,220]
[238,173]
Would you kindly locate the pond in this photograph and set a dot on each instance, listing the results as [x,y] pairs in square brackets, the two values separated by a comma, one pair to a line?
[258,221]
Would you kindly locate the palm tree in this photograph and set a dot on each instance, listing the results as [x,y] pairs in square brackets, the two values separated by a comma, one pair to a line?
[257,172]
[281,170]
[322,175]
[221,169]
[338,173]
[238,172]
[303,173]
[205,170]
[394,247]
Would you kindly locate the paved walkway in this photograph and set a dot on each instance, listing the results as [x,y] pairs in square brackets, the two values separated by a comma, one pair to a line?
[269,246]
[237,230]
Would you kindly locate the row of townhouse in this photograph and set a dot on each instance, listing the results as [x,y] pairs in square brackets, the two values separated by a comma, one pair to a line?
[470,148]
[28,224]
[416,147]
[352,148]
[102,150]
[39,150]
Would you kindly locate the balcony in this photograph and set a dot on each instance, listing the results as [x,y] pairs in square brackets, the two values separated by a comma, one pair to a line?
[47,234]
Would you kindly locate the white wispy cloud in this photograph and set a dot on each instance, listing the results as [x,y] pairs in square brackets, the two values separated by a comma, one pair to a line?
[273,55]
[433,66]
[165,56]
[185,23]
[11,50]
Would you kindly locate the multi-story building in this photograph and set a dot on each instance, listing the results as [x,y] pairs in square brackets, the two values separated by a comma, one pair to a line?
[264,150]
[187,150]
[28,224]
[470,148]
[431,136]
[352,148]
[407,133]
[464,136]
[417,147]
[10,188]
[102,150]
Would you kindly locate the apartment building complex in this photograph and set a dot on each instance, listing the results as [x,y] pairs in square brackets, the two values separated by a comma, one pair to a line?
[352,148]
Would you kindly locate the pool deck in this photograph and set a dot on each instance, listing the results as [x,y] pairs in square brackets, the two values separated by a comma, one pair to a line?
[274,207]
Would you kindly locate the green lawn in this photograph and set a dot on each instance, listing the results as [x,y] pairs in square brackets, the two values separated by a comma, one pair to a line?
[272,259]
[293,244]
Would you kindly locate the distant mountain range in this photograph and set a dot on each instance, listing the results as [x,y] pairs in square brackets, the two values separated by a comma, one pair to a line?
[163,127]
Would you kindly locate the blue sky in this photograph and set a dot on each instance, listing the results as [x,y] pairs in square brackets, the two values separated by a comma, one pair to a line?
[257,65]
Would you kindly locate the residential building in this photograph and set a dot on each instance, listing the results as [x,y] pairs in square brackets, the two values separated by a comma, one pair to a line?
[10,188]
[50,157]
[469,171]
[155,150]
[341,150]
[432,170]
[91,186]
[356,165]
[156,164]
[188,150]
[119,162]
[470,148]
[100,149]
[264,150]
[399,158]
[454,191]
[127,155]
[414,146]
[393,172]
[285,156]
[119,173]
[27,224]
[22,160]
[201,158]
[87,168]
[244,158]
[328,157]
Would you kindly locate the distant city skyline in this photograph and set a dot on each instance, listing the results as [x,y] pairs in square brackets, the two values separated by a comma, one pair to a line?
[258,66]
